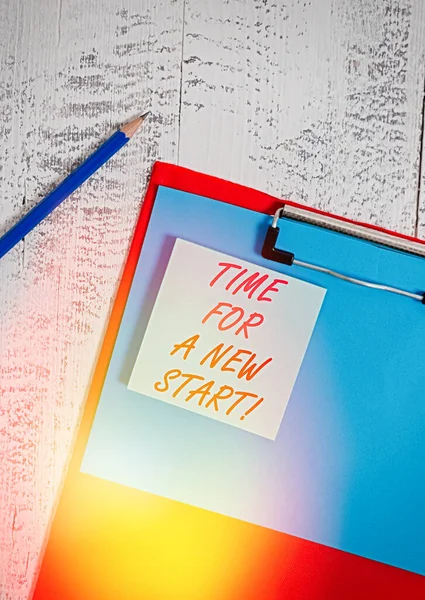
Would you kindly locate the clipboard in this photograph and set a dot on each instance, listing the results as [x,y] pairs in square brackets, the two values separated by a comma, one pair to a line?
[351,524]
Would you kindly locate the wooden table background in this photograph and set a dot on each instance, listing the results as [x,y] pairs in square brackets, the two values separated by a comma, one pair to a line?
[316,101]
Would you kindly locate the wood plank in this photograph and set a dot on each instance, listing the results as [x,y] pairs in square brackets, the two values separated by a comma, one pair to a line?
[420,216]
[318,102]
[72,71]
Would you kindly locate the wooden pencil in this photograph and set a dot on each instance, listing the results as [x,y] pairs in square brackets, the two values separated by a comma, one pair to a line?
[73,181]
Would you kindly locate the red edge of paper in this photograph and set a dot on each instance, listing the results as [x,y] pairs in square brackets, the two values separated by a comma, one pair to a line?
[193,182]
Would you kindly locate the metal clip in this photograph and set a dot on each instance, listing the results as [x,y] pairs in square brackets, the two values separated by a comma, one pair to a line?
[269,251]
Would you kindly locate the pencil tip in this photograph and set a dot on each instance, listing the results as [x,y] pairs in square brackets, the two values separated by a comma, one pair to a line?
[130,128]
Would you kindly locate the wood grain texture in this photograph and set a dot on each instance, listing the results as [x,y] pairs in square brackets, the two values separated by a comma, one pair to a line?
[71,72]
[316,101]
[420,216]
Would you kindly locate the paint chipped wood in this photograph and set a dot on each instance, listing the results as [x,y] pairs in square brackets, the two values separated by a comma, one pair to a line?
[318,102]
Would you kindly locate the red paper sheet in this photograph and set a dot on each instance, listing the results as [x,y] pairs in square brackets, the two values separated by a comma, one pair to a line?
[108,541]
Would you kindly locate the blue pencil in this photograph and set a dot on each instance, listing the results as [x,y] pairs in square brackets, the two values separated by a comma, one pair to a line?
[69,185]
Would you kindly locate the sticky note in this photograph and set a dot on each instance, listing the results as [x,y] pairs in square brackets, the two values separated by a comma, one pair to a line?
[226,338]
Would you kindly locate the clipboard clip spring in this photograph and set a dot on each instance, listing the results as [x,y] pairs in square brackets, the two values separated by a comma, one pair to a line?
[270,252]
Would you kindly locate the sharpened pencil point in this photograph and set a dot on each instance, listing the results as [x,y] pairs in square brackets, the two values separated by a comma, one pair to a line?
[130,128]
[148,112]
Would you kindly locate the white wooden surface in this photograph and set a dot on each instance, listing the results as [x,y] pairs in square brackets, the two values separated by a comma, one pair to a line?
[320,102]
